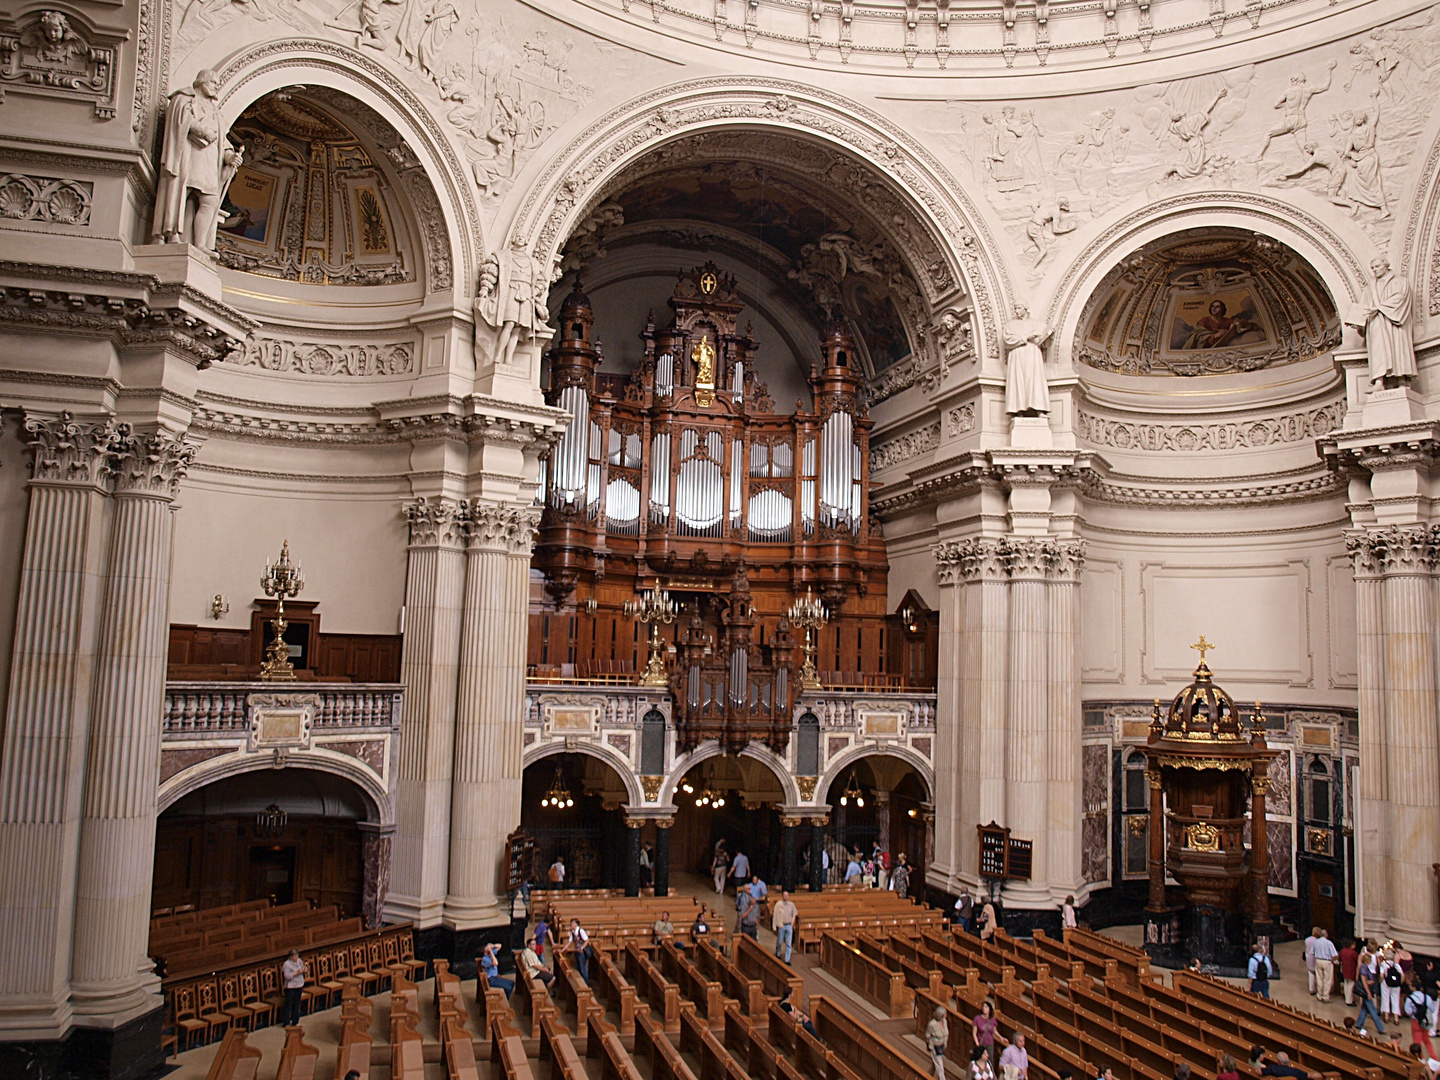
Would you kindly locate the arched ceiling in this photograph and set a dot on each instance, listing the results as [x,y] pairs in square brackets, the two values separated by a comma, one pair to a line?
[1207,302]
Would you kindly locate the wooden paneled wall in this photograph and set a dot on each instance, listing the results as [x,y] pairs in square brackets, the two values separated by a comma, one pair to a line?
[203,652]
[220,860]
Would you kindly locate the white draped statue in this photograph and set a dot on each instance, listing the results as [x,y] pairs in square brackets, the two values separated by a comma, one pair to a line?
[1383,317]
[197,163]
[1026,391]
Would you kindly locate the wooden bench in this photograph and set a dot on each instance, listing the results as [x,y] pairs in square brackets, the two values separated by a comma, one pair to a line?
[653,987]
[615,1063]
[754,1052]
[507,1058]
[559,1051]
[651,1042]
[862,1049]
[235,1060]
[615,991]
[574,989]
[355,1047]
[777,978]
[297,1058]
[750,993]
[537,994]
[707,994]
[700,1042]
[884,989]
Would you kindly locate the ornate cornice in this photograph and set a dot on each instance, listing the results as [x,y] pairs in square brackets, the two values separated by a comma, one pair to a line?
[508,529]
[1263,491]
[435,522]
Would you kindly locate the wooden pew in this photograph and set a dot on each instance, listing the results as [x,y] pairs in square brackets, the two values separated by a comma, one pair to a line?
[753,1052]
[862,1049]
[457,1048]
[700,1042]
[707,994]
[884,989]
[653,987]
[651,1042]
[297,1059]
[777,978]
[538,995]
[507,1058]
[750,993]
[407,1048]
[916,977]
[355,1046]
[574,989]
[615,991]
[615,1063]
[806,1053]
[559,1051]
[236,1060]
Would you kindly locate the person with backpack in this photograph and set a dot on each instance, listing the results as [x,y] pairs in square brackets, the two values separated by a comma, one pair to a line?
[1418,1007]
[1259,971]
[1392,978]
[1367,989]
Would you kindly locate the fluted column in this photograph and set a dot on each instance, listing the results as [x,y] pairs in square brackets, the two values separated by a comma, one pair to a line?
[489,729]
[950,686]
[1028,724]
[434,593]
[1412,761]
[1065,559]
[1372,826]
[112,980]
[47,718]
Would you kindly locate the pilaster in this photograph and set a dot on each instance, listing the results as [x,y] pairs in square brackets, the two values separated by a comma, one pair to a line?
[491,707]
[47,717]
[112,981]
[434,596]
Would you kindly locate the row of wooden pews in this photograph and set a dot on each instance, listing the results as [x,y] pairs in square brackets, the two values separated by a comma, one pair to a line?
[612,921]
[845,910]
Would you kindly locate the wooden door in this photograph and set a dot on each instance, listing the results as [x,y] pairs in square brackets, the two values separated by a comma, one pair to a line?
[272,874]
[1322,899]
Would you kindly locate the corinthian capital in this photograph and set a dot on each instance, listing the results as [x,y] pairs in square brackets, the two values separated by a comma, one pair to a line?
[947,561]
[73,451]
[151,464]
[1026,558]
[434,522]
[1065,558]
[492,527]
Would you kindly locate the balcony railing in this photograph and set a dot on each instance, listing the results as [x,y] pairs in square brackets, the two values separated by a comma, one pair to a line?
[198,709]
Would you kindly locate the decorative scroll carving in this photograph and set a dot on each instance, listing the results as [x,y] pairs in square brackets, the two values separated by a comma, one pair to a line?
[151,464]
[905,447]
[434,522]
[73,451]
[49,55]
[52,199]
[324,358]
[960,419]
[1196,438]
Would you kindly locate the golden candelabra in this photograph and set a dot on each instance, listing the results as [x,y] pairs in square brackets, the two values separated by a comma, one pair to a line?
[808,612]
[280,579]
[653,607]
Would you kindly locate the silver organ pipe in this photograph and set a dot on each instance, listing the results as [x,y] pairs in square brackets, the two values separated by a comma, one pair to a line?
[739,676]
[807,487]
[622,506]
[592,478]
[700,485]
[738,385]
[837,453]
[660,477]
[665,376]
[737,459]
[570,457]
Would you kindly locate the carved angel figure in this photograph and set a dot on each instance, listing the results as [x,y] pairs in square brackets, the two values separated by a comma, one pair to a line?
[56,43]
[196,160]
[511,299]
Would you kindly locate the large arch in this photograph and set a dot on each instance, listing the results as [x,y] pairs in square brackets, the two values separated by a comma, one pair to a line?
[600,752]
[1335,247]
[256,71]
[887,167]
[187,781]
[836,767]
[755,751]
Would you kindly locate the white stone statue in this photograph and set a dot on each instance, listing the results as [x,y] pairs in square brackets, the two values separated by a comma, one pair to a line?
[511,299]
[196,160]
[1026,391]
[1383,317]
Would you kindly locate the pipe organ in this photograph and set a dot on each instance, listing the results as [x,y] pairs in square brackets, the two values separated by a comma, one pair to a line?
[681,476]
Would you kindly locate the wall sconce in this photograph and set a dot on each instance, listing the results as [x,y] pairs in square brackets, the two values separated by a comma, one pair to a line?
[219,607]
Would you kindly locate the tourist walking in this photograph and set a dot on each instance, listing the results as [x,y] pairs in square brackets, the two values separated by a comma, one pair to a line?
[749,914]
[782,921]
[900,879]
[1067,914]
[1325,956]
[964,909]
[1392,978]
[720,867]
[987,919]
[937,1035]
[1259,972]
[1349,961]
[982,1030]
[579,944]
[1367,990]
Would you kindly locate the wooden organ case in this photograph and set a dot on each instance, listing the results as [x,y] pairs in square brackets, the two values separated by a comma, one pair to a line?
[682,477]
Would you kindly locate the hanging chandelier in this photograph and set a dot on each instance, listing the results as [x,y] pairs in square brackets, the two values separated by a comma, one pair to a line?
[852,793]
[271,821]
[710,797]
[558,797]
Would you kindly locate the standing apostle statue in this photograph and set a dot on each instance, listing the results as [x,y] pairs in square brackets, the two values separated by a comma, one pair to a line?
[1026,391]
[1383,317]
[196,160]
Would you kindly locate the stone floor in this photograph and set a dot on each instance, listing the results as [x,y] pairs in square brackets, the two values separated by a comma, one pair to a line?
[323,1028]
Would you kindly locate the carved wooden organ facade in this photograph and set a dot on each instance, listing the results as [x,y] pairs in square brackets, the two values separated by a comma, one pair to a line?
[682,477]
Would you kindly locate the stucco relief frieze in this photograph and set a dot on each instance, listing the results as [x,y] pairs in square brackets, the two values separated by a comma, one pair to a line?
[1201,438]
[327,358]
[907,446]
[1246,492]
[49,199]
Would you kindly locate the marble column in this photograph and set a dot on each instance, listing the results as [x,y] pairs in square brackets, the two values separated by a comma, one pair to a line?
[434,594]
[47,718]
[817,854]
[112,982]
[1259,851]
[1026,754]
[1156,862]
[489,722]
[632,855]
[1064,876]
[789,852]
[376,857]
[882,822]
[662,855]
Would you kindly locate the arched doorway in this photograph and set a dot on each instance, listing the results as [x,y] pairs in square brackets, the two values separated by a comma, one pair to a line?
[879,800]
[734,799]
[570,805]
[285,835]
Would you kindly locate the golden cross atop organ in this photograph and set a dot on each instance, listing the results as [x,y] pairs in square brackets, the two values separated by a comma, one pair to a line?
[1203,647]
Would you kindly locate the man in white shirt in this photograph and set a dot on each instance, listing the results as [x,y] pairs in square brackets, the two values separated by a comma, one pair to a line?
[1310,957]
[579,944]
[782,921]
[1325,956]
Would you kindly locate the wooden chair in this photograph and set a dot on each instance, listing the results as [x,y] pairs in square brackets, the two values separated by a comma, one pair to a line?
[407,953]
[327,986]
[187,1024]
[207,1008]
[297,1059]
[270,991]
[340,962]
[262,1012]
[361,971]
[230,1003]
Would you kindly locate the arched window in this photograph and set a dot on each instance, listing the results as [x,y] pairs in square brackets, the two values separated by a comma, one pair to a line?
[652,743]
[1137,791]
[1135,817]
[1318,800]
[807,745]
